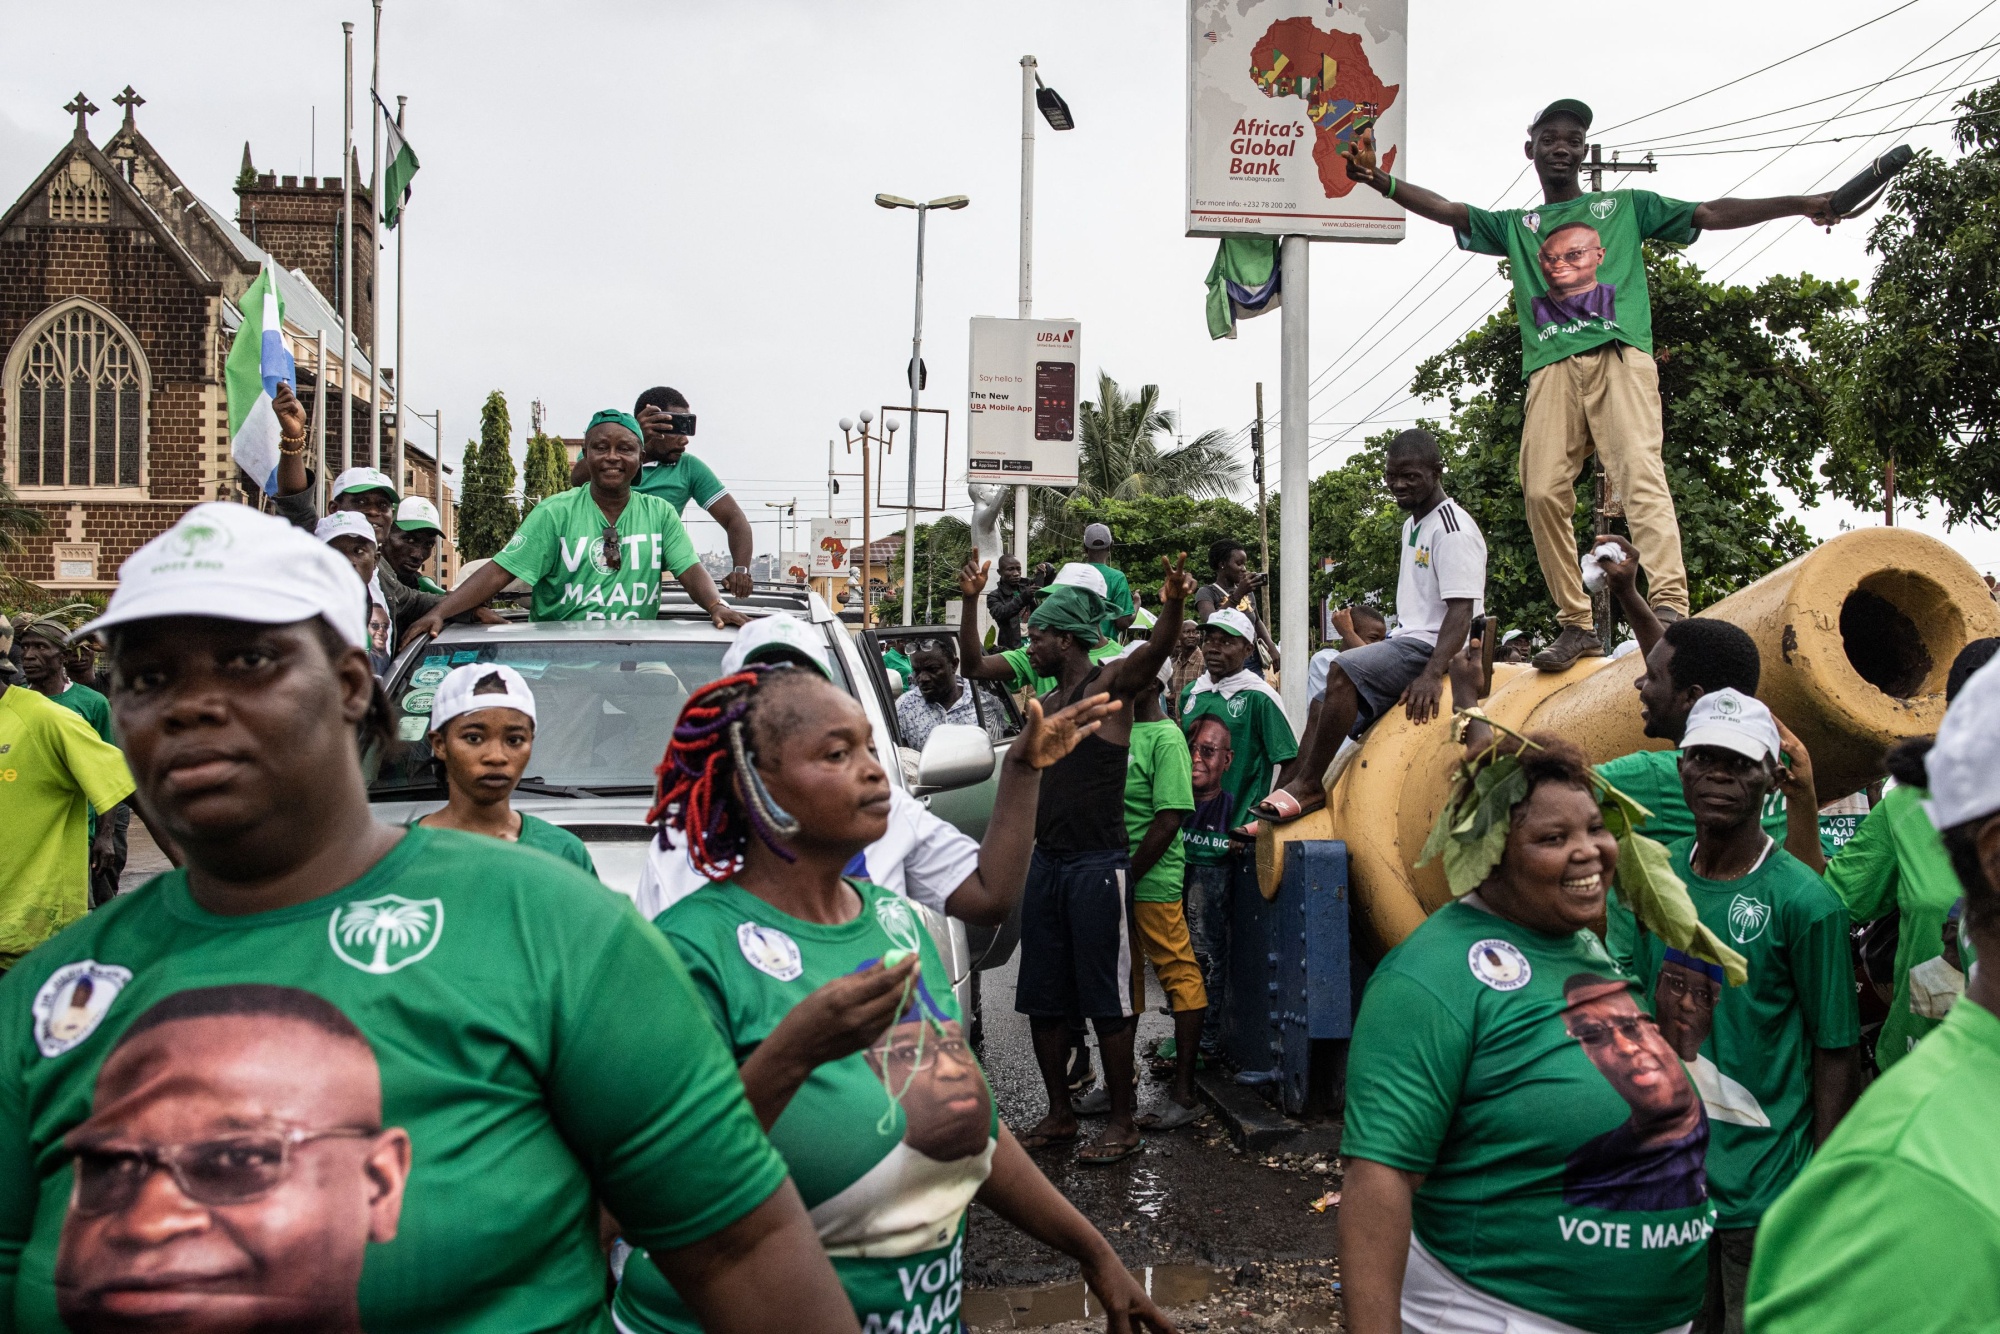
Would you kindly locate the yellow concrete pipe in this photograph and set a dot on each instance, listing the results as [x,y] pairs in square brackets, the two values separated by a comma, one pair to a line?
[1856,638]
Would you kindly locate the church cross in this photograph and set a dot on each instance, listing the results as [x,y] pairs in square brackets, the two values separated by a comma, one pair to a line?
[131,101]
[81,107]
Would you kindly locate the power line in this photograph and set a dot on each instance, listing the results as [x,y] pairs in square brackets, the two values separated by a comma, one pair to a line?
[1673,150]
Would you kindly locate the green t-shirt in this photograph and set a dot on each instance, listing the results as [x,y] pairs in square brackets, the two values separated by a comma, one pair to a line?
[1025,676]
[559,551]
[1258,740]
[1542,1186]
[95,710]
[1897,863]
[1158,777]
[534,1038]
[1606,228]
[899,662]
[556,841]
[1896,1224]
[1118,592]
[1750,1048]
[1653,779]
[887,1179]
[53,769]
[688,478]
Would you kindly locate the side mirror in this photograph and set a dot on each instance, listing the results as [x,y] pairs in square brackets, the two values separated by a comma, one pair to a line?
[956,755]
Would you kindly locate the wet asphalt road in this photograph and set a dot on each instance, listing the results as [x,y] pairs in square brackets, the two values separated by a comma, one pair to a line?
[1187,1198]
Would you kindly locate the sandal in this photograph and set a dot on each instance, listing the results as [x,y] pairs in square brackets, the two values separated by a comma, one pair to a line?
[1109,1153]
[1036,1139]
[1281,807]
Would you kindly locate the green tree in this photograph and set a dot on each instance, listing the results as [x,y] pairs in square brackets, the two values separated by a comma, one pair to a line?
[1147,528]
[1746,406]
[545,471]
[16,522]
[1920,378]
[487,516]
[942,547]
[1120,457]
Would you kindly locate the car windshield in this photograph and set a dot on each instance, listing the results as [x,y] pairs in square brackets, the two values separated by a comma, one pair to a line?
[603,711]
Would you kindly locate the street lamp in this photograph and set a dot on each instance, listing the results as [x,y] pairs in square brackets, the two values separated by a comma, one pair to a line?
[1034,94]
[868,439]
[952,203]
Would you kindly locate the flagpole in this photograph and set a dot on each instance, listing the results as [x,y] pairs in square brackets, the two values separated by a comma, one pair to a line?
[319,413]
[347,261]
[402,362]
[375,268]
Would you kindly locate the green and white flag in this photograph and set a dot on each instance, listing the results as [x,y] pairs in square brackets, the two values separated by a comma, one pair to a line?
[402,166]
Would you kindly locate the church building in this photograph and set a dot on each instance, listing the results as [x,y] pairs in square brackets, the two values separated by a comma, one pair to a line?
[118,305]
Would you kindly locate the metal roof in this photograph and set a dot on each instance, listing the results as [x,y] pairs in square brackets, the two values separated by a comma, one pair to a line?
[306,310]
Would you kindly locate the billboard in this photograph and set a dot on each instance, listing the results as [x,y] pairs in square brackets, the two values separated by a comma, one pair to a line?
[831,539]
[1022,401]
[794,567]
[1276,89]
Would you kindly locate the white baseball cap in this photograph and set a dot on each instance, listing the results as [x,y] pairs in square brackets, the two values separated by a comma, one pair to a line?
[455,694]
[1231,620]
[363,479]
[227,561]
[345,523]
[1082,575]
[767,636]
[1965,781]
[415,514]
[1734,721]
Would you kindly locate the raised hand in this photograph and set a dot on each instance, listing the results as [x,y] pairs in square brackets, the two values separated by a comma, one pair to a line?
[972,577]
[291,413]
[1179,585]
[1795,770]
[1360,154]
[1623,572]
[1044,740]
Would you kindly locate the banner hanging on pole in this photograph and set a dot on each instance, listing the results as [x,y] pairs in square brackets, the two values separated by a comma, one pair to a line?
[1021,394]
[1276,90]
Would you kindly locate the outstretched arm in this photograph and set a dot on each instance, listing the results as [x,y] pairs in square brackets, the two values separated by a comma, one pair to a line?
[477,591]
[1723,214]
[1362,167]
[974,662]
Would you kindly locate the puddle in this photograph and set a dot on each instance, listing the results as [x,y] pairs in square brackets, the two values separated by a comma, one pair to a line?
[1147,1194]
[1168,1285]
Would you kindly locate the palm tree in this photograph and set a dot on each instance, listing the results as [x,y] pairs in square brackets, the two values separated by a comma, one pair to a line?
[1119,456]
[16,522]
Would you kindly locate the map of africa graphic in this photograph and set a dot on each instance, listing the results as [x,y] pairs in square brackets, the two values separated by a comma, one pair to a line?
[1329,71]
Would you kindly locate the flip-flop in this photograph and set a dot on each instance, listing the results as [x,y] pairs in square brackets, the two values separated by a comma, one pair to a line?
[1281,807]
[1037,1140]
[1170,1115]
[1246,830]
[1118,1153]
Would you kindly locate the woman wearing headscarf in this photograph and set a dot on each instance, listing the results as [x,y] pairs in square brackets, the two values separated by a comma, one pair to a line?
[836,1003]
[1524,1149]
[338,1074]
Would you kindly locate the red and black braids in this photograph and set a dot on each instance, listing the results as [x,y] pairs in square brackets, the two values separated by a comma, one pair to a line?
[708,790]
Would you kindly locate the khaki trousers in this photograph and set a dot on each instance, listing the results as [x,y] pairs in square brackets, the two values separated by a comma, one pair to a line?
[1606,400]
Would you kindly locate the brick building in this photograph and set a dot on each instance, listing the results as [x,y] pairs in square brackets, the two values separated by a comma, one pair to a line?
[118,292]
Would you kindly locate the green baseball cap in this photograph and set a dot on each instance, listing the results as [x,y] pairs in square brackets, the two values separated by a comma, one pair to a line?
[1562,106]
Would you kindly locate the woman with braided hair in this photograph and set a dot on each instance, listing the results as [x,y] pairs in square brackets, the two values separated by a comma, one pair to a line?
[835,1002]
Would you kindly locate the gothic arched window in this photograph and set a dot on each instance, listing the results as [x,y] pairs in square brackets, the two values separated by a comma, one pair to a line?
[80,404]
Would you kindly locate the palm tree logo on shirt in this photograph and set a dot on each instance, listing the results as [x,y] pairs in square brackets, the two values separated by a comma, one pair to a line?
[384,934]
[1747,919]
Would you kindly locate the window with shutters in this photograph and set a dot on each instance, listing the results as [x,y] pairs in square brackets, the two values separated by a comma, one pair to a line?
[79,400]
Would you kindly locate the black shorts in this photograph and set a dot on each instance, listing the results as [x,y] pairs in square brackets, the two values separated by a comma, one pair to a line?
[1077,937]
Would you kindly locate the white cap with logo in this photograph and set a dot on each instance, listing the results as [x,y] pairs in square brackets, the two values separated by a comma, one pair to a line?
[457,693]
[1231,620]
[345,523]
[363,479]
[1733,721]
[1965,781]
[1081,574]
[415,514]
[771,636]
[229,562]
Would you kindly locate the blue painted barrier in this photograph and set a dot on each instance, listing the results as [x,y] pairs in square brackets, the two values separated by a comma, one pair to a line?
[1289,982]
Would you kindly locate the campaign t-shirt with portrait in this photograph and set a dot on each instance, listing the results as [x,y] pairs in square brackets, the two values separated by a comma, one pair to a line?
[54,769]
[1653,779]
[559,552]
[1158,777]
[888,1145]
[1443,557]
[1578,268]
[1559,1139]
[537,1041]
[1257,738]
[1750,1047]
[686,478]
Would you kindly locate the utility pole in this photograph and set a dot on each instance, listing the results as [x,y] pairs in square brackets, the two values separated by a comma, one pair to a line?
[320,478]
[347,261]
[1889,491]
[1295,438]
[1597,166]
[1263,515]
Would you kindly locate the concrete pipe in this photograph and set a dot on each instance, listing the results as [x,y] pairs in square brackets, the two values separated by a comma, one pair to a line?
[1856,638]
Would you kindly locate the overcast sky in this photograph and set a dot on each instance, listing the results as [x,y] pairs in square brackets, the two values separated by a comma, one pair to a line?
[621,194]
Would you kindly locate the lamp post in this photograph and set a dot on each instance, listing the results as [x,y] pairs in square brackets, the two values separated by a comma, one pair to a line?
[787,510]
[951,202]
[1034,95]
[868,439]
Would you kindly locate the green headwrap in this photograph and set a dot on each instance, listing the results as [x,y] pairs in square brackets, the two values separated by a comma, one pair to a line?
[1071,610]
[1471,836]
[619,415]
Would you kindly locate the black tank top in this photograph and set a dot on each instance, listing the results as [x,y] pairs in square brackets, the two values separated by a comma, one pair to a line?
[1082,806]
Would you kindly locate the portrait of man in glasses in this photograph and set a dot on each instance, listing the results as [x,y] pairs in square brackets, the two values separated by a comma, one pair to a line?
[1569,258]
[1652,1160]
[233,1170]
[1685,992]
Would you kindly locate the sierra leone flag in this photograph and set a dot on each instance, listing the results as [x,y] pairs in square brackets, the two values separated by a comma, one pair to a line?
[402,166]
[258,362]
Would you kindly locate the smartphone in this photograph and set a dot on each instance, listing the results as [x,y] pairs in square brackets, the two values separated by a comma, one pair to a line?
[678,423]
